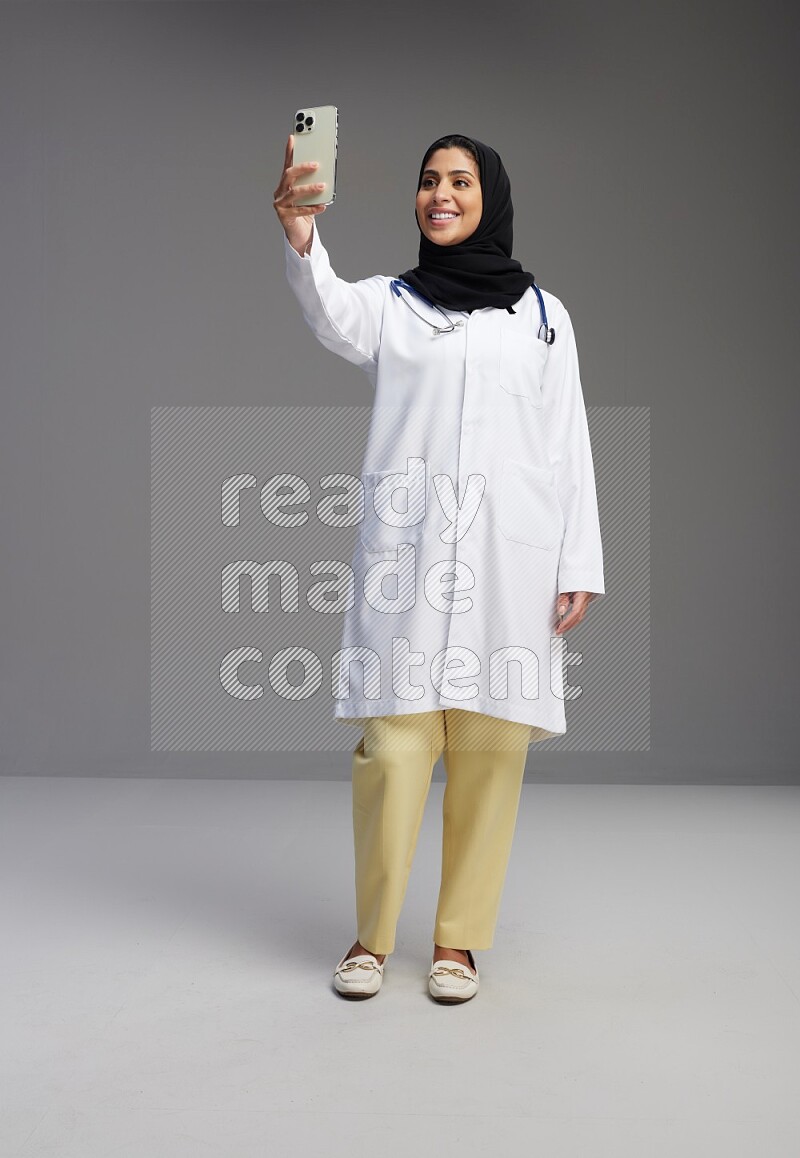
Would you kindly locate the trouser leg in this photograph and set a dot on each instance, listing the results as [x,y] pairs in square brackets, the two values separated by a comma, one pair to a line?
[484,760]
[392,771]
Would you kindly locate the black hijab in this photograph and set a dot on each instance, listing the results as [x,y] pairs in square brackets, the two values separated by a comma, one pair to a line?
[480,270]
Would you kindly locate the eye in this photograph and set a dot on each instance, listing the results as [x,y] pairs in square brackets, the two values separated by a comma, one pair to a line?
[426,181]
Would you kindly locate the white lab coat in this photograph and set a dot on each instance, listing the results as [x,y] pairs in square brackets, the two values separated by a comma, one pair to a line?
[488,417]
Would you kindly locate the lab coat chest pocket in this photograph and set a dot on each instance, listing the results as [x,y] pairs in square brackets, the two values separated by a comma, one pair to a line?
[380,528]
[523,356]
[529,510]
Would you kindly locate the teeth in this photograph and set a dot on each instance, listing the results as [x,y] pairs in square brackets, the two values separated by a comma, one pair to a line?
[442,216]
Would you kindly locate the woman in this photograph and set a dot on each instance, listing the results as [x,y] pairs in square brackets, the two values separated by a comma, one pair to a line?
[479,421]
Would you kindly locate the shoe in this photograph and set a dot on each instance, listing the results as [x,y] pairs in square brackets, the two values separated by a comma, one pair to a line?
[359,976]
[450,981]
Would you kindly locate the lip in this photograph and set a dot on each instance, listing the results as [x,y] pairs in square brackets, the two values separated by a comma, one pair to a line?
[444,221]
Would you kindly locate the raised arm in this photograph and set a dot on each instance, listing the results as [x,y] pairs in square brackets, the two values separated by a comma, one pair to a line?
[345,316]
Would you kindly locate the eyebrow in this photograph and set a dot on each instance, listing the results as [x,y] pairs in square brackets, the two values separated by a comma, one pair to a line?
[435,172]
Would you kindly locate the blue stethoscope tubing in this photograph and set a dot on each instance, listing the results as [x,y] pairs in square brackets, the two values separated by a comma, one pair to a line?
[549,335]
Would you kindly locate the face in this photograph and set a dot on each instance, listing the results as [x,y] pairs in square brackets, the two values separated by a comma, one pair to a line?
[450,186]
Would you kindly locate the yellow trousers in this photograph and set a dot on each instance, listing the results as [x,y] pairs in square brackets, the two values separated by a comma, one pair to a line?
[484,760]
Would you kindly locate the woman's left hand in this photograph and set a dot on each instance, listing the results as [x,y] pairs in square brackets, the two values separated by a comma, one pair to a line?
[580,602]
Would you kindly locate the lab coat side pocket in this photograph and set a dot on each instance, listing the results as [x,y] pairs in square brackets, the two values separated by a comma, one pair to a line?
[523,357]
[529,511]
[379,529]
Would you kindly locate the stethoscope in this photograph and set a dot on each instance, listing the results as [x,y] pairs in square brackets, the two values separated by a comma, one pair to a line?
[549,335]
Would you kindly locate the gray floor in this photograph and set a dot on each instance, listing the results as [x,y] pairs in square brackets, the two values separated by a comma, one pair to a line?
[168,949]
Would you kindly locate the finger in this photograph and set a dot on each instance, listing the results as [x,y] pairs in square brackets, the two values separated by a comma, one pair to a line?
[286,184]
[296,191]
[288,156]
[306,210]
[570,621]
[302,168]
[304,189]
[298,210]
[290,170]
[284,191]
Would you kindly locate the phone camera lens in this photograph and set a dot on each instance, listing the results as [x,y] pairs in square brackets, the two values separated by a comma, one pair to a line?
[309,121]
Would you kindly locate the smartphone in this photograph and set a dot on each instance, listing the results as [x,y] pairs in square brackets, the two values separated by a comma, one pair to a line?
[316,138]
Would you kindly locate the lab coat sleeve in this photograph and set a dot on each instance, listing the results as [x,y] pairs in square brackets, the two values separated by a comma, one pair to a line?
[346,317]
[581,562]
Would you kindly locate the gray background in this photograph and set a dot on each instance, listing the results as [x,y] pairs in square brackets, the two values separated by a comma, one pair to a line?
[651,150]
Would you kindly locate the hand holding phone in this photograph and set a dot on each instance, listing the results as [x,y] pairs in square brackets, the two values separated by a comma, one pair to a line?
[316,138]
[295,219]
[312,155]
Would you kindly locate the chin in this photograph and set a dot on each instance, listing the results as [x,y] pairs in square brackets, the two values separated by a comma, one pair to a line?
[437,239]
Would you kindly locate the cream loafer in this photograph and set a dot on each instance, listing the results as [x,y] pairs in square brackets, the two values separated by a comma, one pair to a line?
[450,981]
[359,976]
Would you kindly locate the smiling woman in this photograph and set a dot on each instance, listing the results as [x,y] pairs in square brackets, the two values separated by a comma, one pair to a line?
[449,200]
[488,416]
